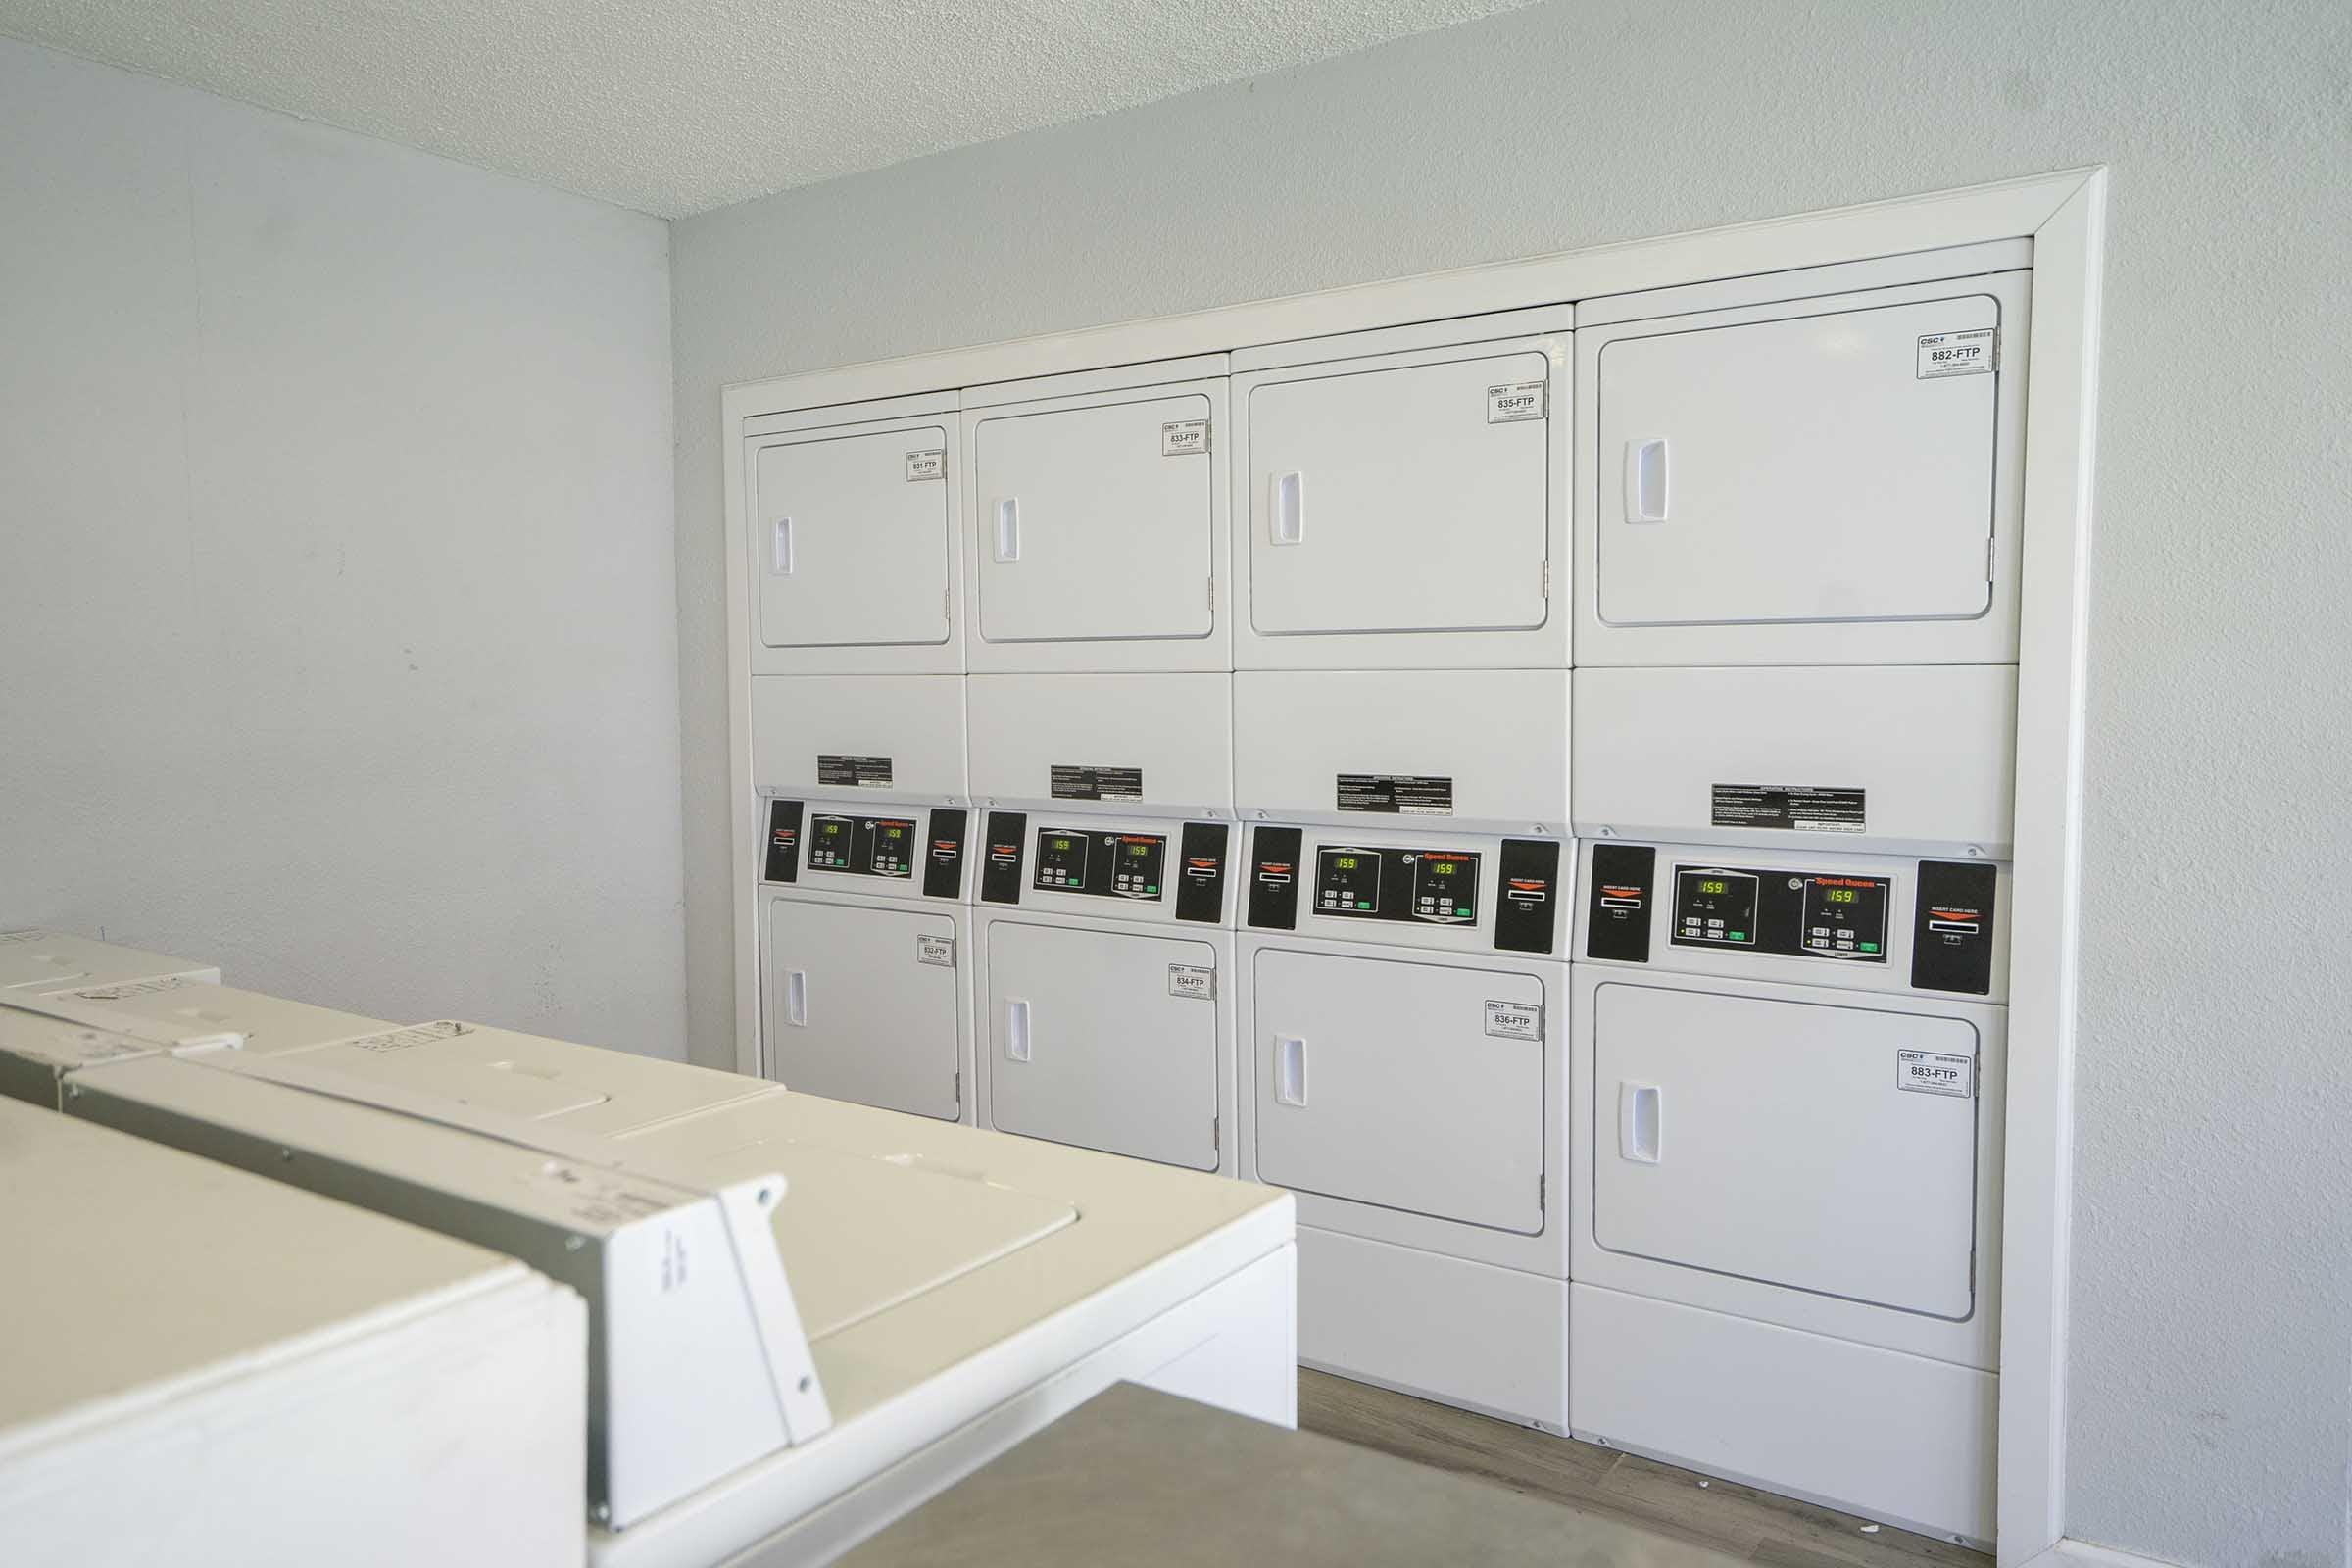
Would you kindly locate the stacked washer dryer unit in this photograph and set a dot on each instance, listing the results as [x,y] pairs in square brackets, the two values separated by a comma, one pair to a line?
[1100,723]
[1797,537]
[1400,714]
[857,753]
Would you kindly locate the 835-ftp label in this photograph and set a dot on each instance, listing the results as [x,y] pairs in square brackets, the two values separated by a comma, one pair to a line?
[1514,400]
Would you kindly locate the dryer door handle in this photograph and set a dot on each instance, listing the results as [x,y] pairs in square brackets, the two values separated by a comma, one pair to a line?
[1638,1123]
[1286,521]
[1008,528]
[1646,492]
[796,998]
[1017,1029]
[1289,1071]
[780,554]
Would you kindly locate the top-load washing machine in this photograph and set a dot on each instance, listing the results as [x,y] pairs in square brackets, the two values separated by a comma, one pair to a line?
[863,860]
[1400,497]
[35,962]
[1096,539]
[1104,999]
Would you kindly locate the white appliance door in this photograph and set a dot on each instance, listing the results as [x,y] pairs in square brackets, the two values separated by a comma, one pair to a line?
[852,1012]
[1787,1142]
[1379,1082]
[1802,470]
[1089,1047]
[851,536]
[1095,522]
[1409,499]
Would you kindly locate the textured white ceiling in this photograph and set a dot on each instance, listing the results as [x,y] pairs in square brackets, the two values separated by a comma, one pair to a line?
[676,105]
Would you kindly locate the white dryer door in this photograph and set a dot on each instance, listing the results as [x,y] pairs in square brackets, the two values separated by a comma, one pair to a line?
[1091,526]
[1797,470]
[1405,499]
[851,536]
[1089,1044]
[1787,1142]
[1379,1082]
[852,1012]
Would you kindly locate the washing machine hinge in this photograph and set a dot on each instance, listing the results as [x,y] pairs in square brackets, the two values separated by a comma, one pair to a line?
[960,1089]
[1216,1134]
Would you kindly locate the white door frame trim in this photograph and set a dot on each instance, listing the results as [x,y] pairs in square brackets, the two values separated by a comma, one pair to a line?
[2063,214]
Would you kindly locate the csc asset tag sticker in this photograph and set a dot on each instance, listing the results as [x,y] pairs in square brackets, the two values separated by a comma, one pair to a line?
[1513,1020]
[1519,400]
[938,952]
[931,464]
[1932,1072]
[1192,980]
[1182,439]
[1943,354]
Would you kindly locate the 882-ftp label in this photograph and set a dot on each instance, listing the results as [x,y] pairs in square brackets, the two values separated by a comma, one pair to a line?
[1943,354]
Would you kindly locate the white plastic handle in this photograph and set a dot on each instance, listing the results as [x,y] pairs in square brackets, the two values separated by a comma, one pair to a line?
[1016,1030]
[1287,524]
[1290,1069]
[796,998]
[1645,479]
[1008,528]
[1638,1123]
[780,549]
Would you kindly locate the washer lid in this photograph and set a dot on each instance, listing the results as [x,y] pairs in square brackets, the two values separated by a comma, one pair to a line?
[863,1233]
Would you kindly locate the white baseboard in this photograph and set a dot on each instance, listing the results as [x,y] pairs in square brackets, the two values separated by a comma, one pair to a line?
[2068,1553]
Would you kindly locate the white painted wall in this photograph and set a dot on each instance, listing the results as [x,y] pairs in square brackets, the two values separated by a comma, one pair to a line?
[2212,1335]
[337,616]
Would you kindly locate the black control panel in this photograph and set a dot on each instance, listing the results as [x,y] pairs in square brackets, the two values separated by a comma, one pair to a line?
[1617,906]
[1526,912]
[1274,877]
[1115,866]
[943,859]
[1810,914]
[863,845]
[1437,886]
[1200,873]
[1951,927]
[780,856]
[1001,870]
[1817,914]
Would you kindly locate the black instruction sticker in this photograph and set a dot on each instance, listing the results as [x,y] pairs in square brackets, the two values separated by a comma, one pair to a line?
[1396,794]
[854,772]
[1799,807]
[1097,783]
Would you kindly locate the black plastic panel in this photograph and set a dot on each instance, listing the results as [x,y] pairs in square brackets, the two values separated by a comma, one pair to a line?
[943,861]
[1953,927]
[1617,913]
[1109,865]
[1435,887]
[782,852]
[1527,904]
[1200,873]
[1805,914]
[1001,870]
[1274,878]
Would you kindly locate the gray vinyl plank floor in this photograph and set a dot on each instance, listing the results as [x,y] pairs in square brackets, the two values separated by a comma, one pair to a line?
[1742,1523]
